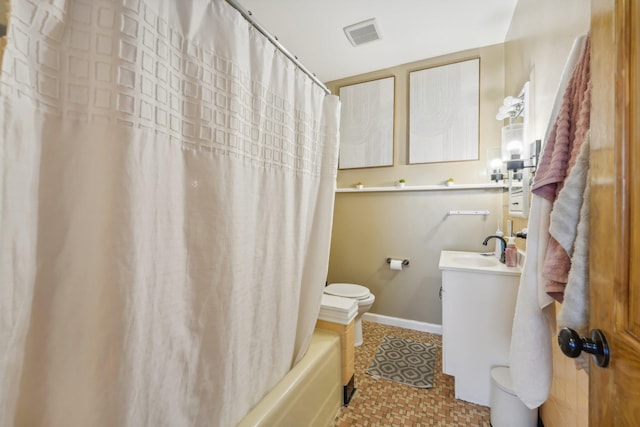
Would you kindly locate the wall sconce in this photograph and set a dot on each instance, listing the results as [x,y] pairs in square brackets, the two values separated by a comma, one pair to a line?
[510,155]
[514,154]
[496,168]
[495,164]
[513,137]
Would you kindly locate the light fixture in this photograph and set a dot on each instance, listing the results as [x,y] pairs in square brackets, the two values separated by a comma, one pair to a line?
[496,174]
[494,163]
[517,158]
[514,153]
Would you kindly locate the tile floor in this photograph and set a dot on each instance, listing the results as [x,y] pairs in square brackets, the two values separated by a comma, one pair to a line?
[390,404]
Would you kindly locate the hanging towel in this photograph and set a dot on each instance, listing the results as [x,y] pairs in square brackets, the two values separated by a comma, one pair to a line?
[568,132]
[560,153]
[566,213]
[571,229]
[530,355]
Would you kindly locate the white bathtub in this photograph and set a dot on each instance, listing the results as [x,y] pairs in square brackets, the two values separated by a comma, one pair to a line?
[310,394]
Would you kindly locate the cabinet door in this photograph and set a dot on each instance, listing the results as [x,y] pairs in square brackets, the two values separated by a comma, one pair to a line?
[447,317]
[477,316]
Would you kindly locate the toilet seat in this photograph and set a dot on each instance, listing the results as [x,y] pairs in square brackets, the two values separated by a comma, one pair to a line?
[360,296]
[502,377]
[348,290]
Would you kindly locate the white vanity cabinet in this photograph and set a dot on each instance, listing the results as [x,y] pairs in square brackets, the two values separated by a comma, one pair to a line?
[478,303]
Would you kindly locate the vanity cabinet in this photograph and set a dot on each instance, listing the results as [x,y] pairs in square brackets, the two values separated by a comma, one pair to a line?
[478,303]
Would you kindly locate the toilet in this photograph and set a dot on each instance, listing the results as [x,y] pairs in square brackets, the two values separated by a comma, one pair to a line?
[507,410]
[363,297]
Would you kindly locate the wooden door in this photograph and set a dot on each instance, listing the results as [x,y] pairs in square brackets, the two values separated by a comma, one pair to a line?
[614,391]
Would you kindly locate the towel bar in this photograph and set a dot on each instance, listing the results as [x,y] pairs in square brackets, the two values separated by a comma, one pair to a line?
[469,212]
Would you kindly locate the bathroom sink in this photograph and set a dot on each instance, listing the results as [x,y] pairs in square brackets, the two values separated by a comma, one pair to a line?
[475,261]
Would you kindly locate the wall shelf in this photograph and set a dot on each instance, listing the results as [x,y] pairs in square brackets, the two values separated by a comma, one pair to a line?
[439,187]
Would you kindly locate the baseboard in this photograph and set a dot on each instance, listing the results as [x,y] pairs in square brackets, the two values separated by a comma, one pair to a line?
[403,323]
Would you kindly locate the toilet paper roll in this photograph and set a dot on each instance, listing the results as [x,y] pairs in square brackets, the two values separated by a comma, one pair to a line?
[395,264]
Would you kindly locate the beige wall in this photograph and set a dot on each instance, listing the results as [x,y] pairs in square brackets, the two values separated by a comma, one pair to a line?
[538,43]
[370,226]
[491,94]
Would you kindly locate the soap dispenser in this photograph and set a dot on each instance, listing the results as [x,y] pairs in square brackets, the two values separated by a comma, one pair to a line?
[511,253]
[498,250]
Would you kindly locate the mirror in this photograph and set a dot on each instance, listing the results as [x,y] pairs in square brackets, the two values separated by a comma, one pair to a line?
[518,151]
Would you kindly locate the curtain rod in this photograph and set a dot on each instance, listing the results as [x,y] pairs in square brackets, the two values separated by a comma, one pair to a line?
[247,15]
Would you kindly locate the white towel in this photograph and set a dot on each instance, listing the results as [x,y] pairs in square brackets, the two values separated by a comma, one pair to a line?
[530,355]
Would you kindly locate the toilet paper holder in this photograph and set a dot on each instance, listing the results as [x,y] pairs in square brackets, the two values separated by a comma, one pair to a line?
[405,262]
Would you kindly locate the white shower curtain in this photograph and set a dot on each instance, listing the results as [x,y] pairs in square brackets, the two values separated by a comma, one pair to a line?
[167,182]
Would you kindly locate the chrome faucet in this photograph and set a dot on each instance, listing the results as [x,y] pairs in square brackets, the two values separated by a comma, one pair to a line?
[504,245]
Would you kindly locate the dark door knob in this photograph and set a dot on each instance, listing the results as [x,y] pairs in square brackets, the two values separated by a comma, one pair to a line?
[573,344]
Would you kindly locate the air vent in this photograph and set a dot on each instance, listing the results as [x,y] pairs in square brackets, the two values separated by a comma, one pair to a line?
[363,32]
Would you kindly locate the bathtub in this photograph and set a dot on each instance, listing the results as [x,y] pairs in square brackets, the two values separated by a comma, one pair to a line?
[310,394]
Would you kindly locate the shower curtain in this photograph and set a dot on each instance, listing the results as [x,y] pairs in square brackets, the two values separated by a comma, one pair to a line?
[167,182]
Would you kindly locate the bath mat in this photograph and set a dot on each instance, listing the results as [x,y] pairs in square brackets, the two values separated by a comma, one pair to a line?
[404,361]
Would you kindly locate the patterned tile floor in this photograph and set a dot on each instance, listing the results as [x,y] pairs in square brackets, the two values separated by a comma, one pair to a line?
[390,404]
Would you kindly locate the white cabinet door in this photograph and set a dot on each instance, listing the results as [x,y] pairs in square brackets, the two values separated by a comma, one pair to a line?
[477,316]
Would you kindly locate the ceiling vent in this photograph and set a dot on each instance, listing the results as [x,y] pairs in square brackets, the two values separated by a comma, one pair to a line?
[363,32]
